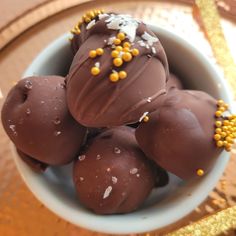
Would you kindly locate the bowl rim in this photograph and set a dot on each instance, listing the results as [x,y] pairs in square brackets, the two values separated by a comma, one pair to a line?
[112,226]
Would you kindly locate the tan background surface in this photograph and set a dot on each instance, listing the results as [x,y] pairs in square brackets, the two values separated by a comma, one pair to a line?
[20,212]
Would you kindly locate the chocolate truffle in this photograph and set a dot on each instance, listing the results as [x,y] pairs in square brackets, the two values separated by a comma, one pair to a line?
[36,118]
[179,135]
[34,164]
[112,175]
[118,73]
[173,82]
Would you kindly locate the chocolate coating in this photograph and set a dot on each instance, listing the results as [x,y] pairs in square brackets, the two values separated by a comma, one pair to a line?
[112,175]
[95,101]
[179,134]
[174,82]
[36,118]
[34,164]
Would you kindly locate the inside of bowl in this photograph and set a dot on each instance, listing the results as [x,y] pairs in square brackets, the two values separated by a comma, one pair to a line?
[178,196]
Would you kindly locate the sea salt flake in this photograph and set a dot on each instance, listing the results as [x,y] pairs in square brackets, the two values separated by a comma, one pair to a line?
[117,150]
[130,31]
[97,64]
[98,157]
[57,133]
[28,84]
[12,127]
[81,179]
[141,43]
[81,157]
[57,121]
[28,111]
[111,40]
[90,24]
[149,38]
[133,171]
[114,179]
[101,16]
[149,99]
[124,23]
[108,169]
[107,192]
[138,175]
[144,114]
[154,50]
[114,25]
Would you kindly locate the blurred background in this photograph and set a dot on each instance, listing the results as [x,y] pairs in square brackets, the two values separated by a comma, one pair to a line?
[27,26]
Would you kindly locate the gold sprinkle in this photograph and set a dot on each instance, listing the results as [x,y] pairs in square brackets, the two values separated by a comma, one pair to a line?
[99,51]
[127,56]
[219,143]
[117,41]
[218,123]
[121,36]
[146,118]
[200,172]
[87,19]
[126,45]
[122,74]
[218,130]
[91,14]
[115,53]
[92,54]
[135,52]
[226,122]
[217,137]
[222,109]
[80,23]
[118,62]
[114,77]
[226,106]
[95,71]
[220,103]
[223,134]
[119,48]
[218,113]
[126,49]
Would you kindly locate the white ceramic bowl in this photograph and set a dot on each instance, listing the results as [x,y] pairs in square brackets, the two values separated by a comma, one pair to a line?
[54,188]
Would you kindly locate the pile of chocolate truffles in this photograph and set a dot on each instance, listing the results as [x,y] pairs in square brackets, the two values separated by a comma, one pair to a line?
[119,116]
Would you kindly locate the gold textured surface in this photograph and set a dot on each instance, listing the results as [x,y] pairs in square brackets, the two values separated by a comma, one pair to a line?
[213,29]
[213,225]
[20,213]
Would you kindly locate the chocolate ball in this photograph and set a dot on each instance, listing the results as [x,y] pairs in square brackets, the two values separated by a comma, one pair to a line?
[112,175]
[34,164]
[179,134]
[174,82]
[36,118]
[103,93]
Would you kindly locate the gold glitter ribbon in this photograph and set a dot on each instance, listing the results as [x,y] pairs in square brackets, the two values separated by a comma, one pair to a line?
[211,22]
[216,224]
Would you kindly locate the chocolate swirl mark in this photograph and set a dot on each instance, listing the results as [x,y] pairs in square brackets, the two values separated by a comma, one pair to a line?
[143,102]
[93,83]
[119,92]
